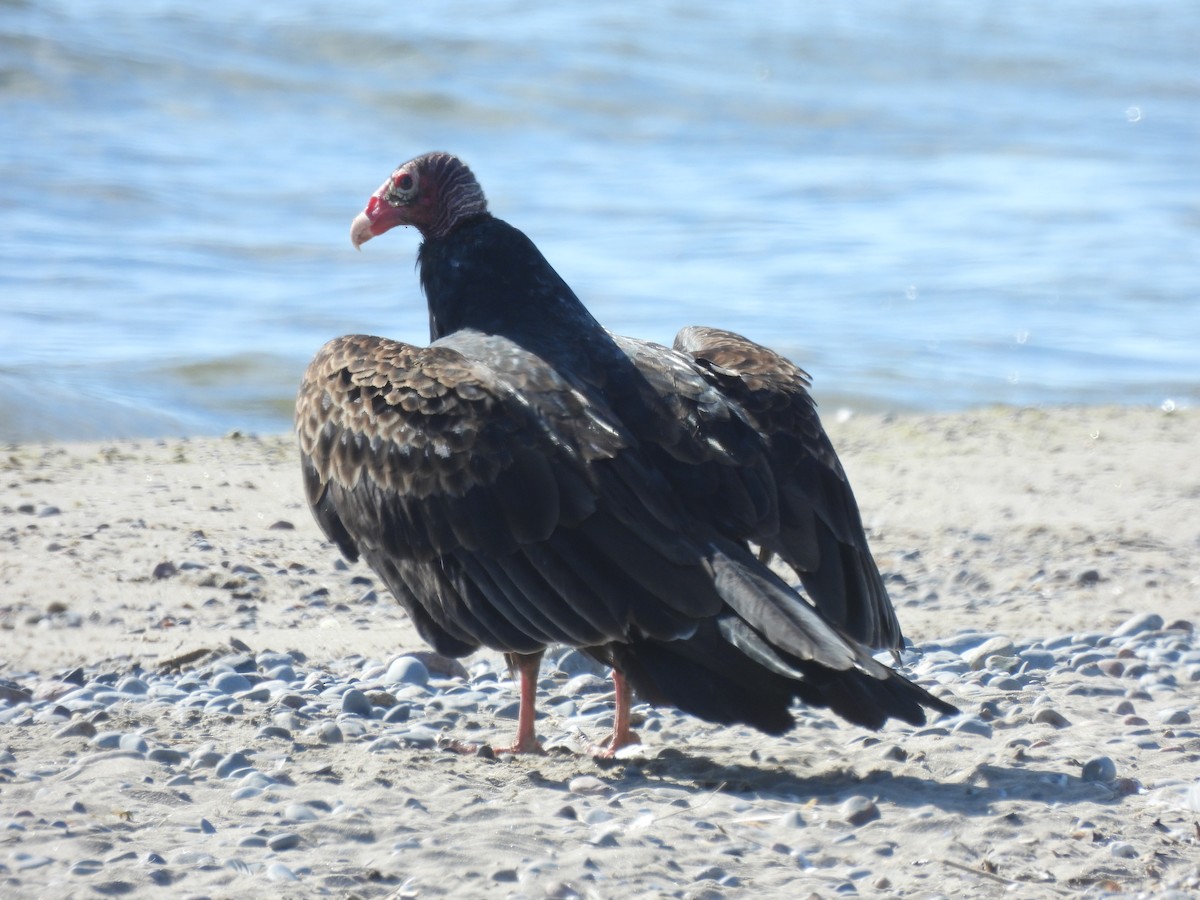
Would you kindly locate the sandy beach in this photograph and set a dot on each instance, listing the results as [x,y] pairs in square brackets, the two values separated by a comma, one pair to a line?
[199,698]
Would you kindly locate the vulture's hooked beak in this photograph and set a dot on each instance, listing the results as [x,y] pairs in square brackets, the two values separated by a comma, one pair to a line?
[378,217]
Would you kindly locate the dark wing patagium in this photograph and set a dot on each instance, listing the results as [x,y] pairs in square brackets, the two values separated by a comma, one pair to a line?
[501,506]
[820,532]
[417,455]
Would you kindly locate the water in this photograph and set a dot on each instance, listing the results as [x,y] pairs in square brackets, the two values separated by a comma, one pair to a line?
[930,206]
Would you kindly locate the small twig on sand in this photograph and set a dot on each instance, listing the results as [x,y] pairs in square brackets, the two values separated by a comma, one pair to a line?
[176,663]
[998,878]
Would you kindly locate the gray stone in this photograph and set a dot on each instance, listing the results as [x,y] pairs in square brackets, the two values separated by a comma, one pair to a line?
[1175,716]
[231,682]
[406,670]
[23,861]
[587,784]
[132,685]
[286,840]
[190,857]
[78,728]
[573,662]
[1048,716]
[398,713]
[134,743]
[971,725]
[299,812]
[283,672]
[231,763]
[279,872]
[1007,683]
[1038,659]
[107,740]
[165,756]
[1100,769]
[997,646]
[859,810]
[329,733]
[355,703]
[1138,624]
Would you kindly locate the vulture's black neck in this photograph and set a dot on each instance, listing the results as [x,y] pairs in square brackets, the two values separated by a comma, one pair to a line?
[488,276]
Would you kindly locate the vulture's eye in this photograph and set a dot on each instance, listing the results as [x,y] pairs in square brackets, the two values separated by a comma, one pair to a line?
[402,190]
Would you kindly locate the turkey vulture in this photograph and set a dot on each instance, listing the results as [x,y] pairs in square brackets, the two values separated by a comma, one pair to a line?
[531,479]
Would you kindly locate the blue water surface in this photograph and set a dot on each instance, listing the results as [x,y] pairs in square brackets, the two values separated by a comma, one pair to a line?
[930,206]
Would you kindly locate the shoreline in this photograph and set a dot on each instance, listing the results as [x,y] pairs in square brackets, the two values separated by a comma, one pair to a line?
[1062,540]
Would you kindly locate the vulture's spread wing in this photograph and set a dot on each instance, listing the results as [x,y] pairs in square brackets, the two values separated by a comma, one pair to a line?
[820,533]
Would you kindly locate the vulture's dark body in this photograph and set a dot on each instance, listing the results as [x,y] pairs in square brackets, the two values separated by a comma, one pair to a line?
[529,479]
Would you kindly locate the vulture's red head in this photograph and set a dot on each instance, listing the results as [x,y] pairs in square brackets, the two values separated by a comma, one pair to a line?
[432,193]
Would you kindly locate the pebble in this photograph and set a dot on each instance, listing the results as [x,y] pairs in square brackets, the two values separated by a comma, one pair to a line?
[792,819]
[419,736]
[283,672]
[998,663]
[107,740]
[975,657]
[397,713]
[1177,716]
[605,837]
[230,764]
[406,670]
[329,733]
[355,703]
[1005,683]
[277,871]
[1048,716]
[231,682]
[1099,768]
[1086,658]
[132,685]
[134,743]
[586,683]
[284,841]
[587,784]
[1038,659]
[78,728]
[859,810]
[573,662]
[971,725]
[299,812]
[191,857]
[1139,624]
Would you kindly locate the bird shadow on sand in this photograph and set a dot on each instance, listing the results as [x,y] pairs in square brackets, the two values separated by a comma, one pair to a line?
[970,792]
